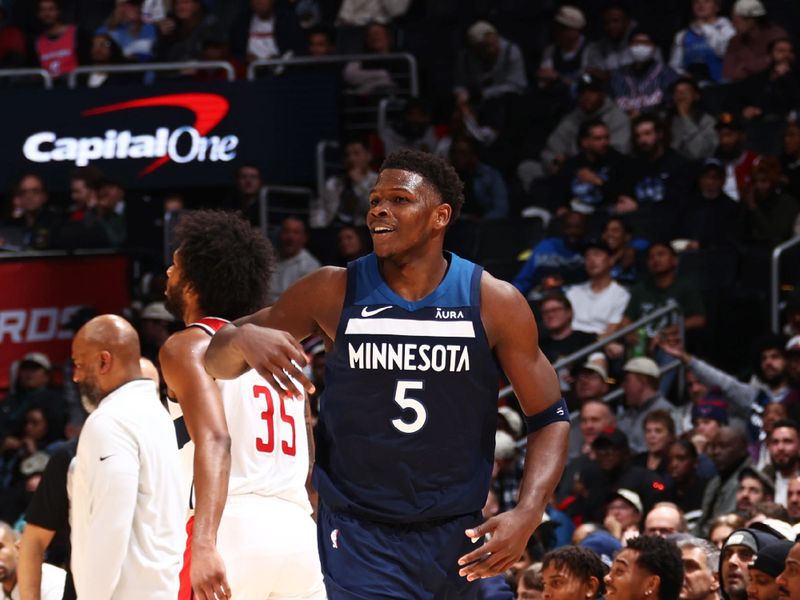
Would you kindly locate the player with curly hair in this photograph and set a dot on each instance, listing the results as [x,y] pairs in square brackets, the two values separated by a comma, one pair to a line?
[247,450]
[571,573]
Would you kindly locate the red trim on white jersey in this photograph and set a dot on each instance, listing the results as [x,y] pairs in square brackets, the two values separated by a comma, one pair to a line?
[210,325]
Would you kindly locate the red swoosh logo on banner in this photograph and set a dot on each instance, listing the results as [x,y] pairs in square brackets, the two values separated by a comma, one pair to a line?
[208,109]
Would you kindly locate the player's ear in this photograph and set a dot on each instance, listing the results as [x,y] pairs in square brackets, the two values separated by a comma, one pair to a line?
[594,587]
[106,360]
[443,213]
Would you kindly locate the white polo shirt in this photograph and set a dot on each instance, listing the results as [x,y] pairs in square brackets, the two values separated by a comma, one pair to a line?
[126,508]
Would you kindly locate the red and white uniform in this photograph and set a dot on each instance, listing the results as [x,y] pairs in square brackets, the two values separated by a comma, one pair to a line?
[266,536]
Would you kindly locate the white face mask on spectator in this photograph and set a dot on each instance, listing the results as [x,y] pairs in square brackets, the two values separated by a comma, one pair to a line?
[642,52]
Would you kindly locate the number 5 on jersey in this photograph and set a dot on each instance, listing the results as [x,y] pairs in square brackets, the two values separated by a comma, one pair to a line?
[268,445]
[406,403]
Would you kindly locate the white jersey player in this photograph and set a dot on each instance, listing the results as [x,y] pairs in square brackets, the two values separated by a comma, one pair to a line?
[245,448]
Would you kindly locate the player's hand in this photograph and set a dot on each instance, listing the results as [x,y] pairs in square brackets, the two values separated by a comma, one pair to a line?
[510,533]
[208,575]
[277,357]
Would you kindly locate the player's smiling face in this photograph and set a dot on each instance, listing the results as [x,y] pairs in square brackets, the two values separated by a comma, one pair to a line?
[405,210]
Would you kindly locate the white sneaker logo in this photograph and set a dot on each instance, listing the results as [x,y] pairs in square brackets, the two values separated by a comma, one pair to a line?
[335,538]
[366,312]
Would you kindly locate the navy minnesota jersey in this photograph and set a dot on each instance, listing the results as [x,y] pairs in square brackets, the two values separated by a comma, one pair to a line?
[408,415]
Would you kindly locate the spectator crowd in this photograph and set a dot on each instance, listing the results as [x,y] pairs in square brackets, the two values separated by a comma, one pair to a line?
[620,160]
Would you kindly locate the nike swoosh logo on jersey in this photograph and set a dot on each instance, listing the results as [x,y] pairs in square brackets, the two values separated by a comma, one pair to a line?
[366,312]
[102,458]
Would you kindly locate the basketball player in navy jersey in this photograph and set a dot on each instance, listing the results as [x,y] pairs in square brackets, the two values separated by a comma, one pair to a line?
[264,542]
[406,428]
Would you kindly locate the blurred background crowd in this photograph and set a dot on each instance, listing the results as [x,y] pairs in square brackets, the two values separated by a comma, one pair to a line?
[630,167]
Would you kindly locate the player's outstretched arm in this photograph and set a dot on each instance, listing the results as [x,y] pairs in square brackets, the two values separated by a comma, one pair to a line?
[267,340]
[511,329]
[203,411]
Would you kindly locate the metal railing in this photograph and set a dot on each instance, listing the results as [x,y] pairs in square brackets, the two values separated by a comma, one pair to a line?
[264,206]
[383,111]
[413,83]
[322,163]
[775,282]
[47,79]
[670,309]
[194,65]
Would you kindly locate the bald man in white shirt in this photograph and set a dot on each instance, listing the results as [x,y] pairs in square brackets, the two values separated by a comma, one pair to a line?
[126,507]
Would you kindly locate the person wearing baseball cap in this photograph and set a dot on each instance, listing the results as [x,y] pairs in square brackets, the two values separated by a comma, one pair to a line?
[640,385]
[564,61]
[31,388]
[611,470]
[792,354]
[508,420]
[766,567]
[734,156]
[489,67]
[748,50]
[623,513]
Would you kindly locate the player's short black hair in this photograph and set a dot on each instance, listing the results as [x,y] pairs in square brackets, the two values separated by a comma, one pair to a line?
[437,171]
[226,260]
[660,557]
[581,562]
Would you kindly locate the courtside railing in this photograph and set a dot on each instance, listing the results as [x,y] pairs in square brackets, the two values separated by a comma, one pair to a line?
[195,65]
[324,166]
[775,282]
[47,79]
[300,203]
[412,87]
[670,310]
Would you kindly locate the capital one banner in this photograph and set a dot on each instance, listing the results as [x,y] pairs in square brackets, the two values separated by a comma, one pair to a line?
[40,296]
[169,135]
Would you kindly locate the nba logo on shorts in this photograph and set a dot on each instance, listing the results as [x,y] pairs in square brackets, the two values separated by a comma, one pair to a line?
[335,538]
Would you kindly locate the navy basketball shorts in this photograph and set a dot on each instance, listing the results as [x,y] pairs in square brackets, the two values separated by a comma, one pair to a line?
[369,560]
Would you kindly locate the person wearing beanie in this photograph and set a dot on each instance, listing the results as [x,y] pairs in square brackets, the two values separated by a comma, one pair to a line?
[709,413]
[740,549]
[767,566]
